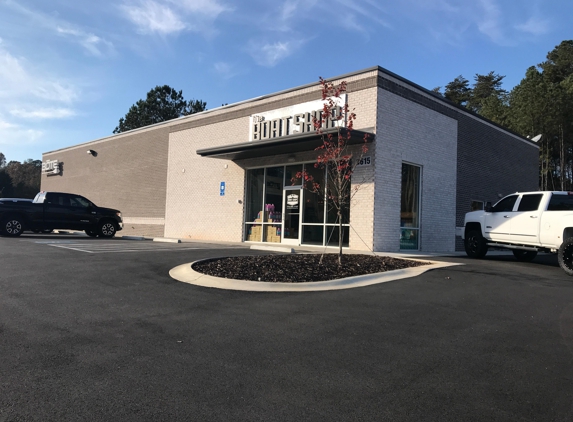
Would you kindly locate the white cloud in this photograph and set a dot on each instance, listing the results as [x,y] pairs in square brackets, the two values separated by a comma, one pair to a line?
[269,54]
[534,26]
[12,74]
[207,8]
[54,91]
[355,16]
[150,17]
[291,9]
[170,16]
[501,21]
[363,10]
[490,23]
[92,43]
[226,70]
[14,135]
[43,113]
[21,84]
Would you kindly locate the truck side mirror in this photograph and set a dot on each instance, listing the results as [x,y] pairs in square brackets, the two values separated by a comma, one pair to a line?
[487,207]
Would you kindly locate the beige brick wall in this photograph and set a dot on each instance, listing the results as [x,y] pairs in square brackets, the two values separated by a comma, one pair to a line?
[409,132]
[364,104]
[129,173]
[195,208]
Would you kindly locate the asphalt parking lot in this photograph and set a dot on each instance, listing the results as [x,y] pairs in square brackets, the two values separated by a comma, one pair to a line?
[95,329]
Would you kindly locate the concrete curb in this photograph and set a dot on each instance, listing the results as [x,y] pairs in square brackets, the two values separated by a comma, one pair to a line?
[166,239]
[186,274]
[272,248]
[131,237]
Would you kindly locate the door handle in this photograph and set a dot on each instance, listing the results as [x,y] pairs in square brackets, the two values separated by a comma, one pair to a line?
[532,216]
[506,216]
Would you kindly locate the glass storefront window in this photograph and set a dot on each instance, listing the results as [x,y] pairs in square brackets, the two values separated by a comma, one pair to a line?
[255,185]
[267,190]
[332,212]
[313,211]
[290,175]
[332,235]
[410,207]
[274,194]
[313,235]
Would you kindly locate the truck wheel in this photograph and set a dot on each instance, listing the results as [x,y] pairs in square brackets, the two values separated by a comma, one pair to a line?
[565,256]
[475,244]
[91,233]
[524,256]
[107,229]
[12,226]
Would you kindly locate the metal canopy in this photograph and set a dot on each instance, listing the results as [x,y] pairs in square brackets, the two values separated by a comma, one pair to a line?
[285,145]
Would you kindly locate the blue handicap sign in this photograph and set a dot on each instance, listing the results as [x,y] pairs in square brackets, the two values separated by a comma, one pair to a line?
[222,189]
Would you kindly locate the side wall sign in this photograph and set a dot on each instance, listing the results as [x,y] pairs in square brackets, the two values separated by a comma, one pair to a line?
[51,167]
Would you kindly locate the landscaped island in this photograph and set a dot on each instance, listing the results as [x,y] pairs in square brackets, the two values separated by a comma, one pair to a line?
[300,268]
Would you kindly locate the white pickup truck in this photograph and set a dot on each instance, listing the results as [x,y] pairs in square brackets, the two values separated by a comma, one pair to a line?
[526,223]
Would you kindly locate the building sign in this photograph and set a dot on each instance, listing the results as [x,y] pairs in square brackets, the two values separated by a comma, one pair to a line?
[222,189]
[293,120]
[51,167]
[364,161]
[292,201]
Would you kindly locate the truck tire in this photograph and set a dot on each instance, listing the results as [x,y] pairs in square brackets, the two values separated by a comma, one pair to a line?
[565,256]
[12,226]
[107,229]
[524,256]
[475,244]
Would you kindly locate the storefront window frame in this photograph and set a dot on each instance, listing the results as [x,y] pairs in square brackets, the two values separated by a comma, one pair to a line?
[263,224]
[417,229]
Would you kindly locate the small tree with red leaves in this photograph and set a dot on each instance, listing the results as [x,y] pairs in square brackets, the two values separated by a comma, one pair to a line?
[335,154]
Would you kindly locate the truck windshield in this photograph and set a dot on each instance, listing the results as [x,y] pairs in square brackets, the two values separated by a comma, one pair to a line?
[39,198]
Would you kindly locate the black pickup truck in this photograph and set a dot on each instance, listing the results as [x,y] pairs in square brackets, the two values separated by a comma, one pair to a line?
[57,210]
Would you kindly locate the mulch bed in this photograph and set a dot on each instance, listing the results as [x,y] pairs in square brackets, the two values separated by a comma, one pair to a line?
[299,268]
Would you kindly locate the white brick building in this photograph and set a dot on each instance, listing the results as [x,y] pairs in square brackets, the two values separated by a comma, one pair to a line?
[209,176]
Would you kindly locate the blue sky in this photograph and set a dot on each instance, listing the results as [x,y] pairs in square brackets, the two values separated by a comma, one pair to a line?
[70,69]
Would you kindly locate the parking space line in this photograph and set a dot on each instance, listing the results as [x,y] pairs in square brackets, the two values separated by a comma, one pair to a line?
[68,247]
[118,248]
[118,245]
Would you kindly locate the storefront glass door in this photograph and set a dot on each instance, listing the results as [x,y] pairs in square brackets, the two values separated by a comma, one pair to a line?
[292,200]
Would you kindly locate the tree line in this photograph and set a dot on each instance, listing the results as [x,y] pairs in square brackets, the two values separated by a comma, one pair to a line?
[162,103]
[19,180]
[541,104]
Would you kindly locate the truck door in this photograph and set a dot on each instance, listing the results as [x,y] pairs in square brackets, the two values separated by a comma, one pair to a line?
[498,220]
[55,210]
[67,211]
[526,219]
[82,212]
